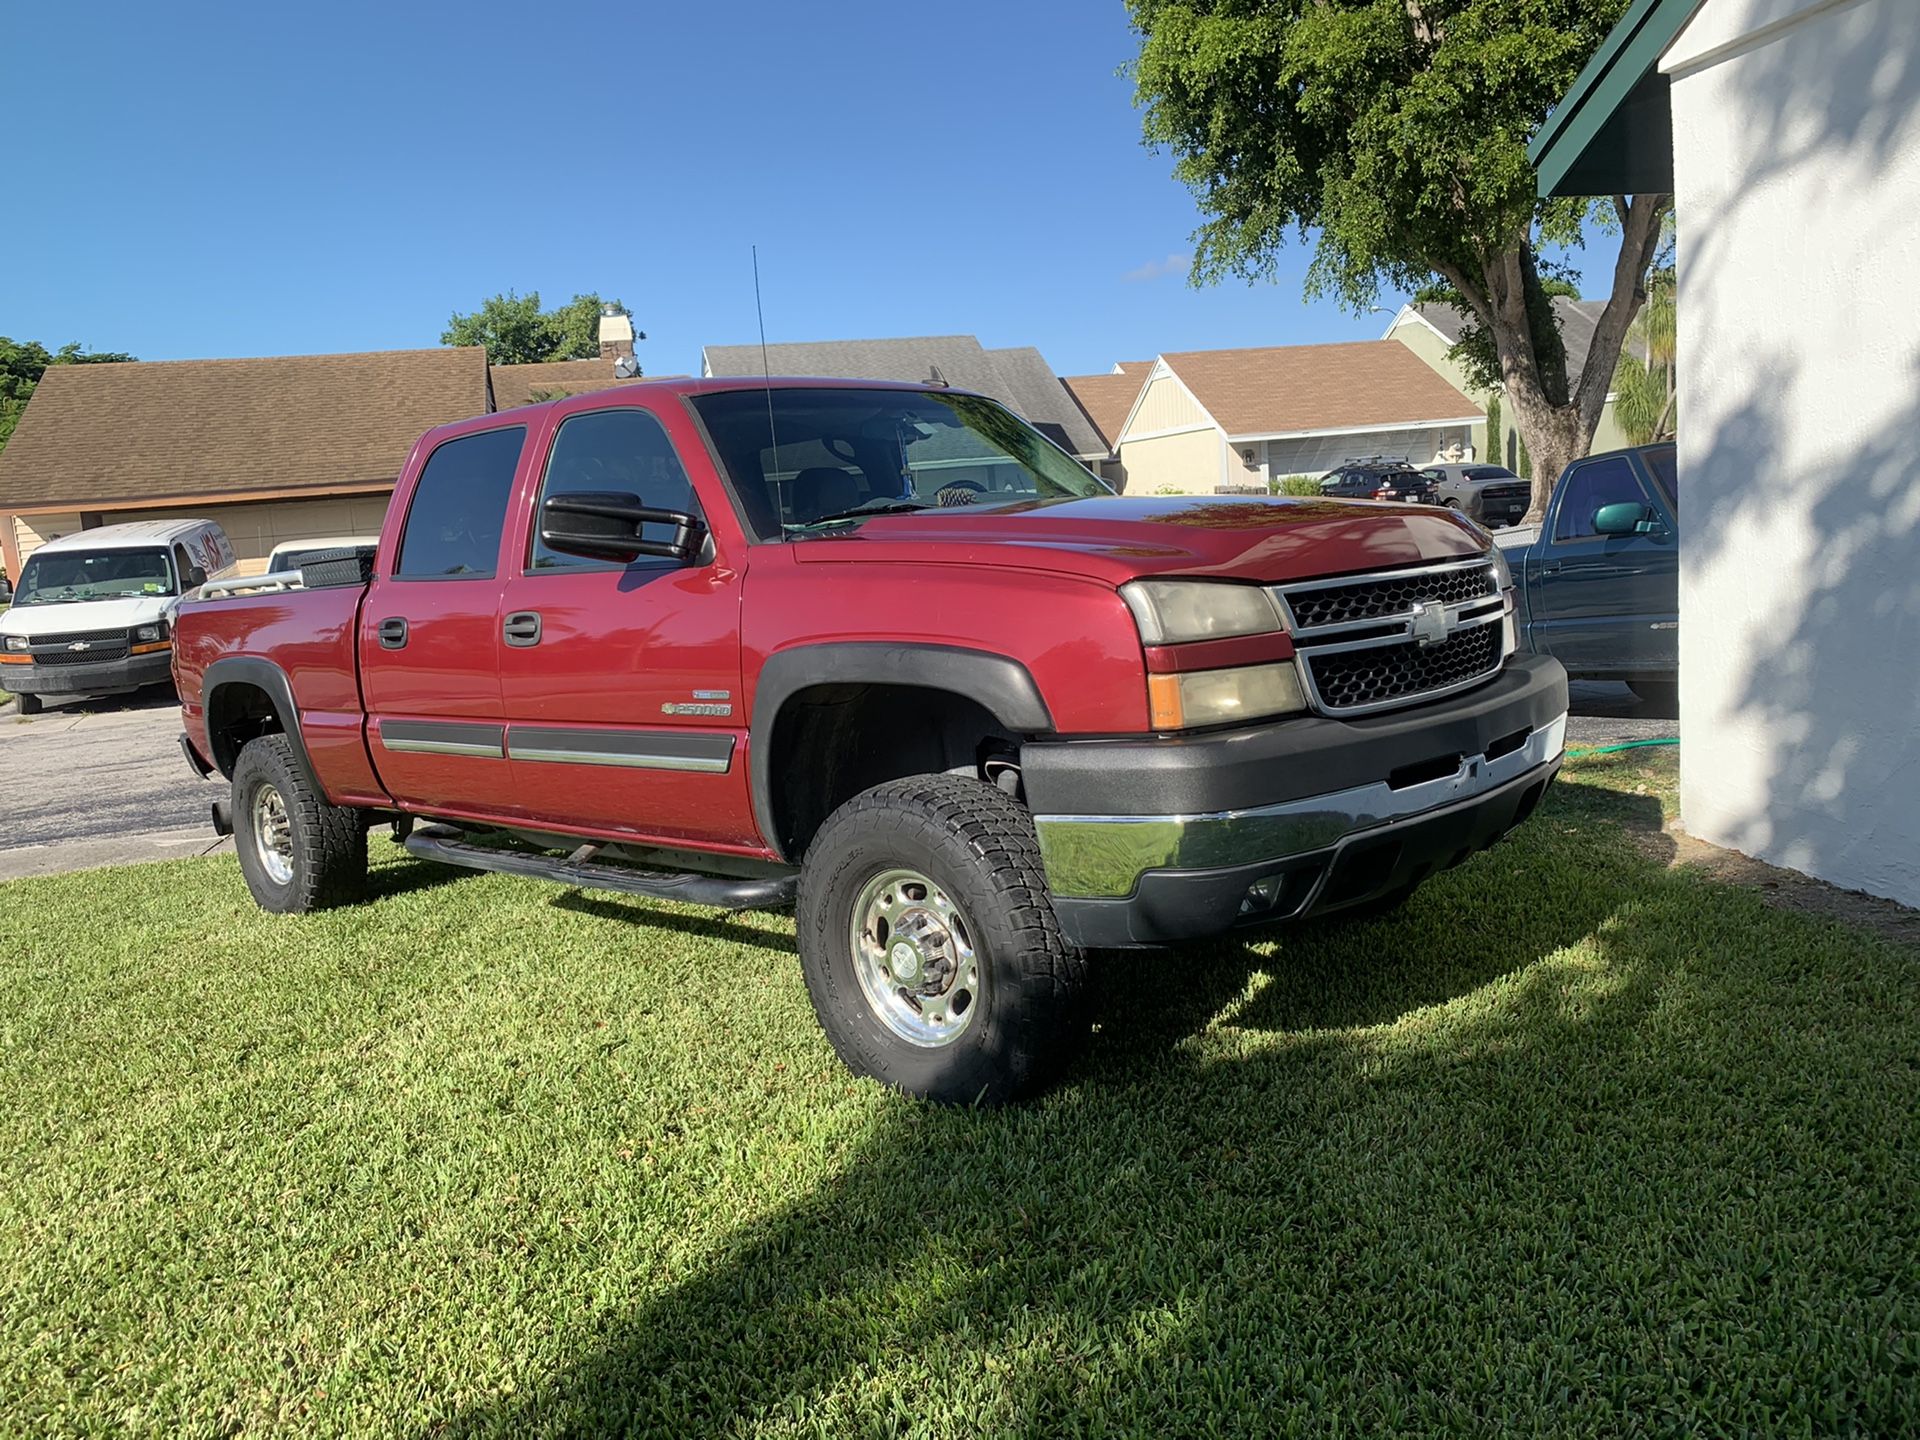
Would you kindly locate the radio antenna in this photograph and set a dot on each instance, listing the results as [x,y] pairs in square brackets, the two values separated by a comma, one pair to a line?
[766,371]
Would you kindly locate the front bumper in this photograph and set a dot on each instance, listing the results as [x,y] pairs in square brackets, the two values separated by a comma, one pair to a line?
[1150,842]
[98,677]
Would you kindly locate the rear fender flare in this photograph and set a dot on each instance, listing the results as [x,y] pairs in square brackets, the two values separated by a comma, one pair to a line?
[265,676]
[1002,685]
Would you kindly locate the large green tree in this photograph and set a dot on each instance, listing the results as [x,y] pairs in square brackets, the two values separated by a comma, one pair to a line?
[516,331]
[1391,137]
[23,362]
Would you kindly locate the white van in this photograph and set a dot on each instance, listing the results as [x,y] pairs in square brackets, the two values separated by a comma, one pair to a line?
[93,612]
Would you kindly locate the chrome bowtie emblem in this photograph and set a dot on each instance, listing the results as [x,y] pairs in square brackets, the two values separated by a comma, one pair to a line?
[1430,623]
[80,645]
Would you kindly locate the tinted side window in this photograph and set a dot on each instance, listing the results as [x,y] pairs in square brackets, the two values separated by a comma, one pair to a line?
[1588,488]
[460,506]
[620,450]
[1661,463]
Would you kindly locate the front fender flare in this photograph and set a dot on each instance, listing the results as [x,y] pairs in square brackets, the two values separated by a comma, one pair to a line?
[1004,686]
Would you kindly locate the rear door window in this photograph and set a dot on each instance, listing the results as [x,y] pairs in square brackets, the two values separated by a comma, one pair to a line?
[622,451]
[459,507]
[1590,488]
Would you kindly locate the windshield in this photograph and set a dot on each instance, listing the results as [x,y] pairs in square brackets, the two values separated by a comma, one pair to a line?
[819,461]
[107,575]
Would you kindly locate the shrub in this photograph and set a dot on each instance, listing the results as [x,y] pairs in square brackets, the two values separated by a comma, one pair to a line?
[1293,485]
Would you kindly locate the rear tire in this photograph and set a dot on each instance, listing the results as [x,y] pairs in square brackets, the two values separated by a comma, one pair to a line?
[30,704]
[298,852]
[930,947]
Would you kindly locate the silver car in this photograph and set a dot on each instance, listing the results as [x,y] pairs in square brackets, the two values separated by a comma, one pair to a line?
[1491,494]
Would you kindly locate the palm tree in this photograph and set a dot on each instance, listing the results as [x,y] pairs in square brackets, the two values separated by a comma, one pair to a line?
[1644,381]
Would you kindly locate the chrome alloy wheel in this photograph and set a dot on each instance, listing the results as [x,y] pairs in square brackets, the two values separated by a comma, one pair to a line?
[913,951]
[273,835]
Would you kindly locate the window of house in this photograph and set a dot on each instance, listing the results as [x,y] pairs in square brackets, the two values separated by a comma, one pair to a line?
[1591,487]
[459,507]
[621,452]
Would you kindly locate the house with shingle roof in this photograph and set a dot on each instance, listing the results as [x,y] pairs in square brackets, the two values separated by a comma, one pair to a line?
[287,447]
[1018,378]
[1105,401]
[1432,330]
[1236,420]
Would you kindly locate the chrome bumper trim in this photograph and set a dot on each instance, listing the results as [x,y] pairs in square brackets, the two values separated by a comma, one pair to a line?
[1104,856]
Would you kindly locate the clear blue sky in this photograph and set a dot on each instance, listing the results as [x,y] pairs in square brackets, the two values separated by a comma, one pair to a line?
[256,179]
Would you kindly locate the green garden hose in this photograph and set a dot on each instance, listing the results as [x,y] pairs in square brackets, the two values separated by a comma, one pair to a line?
[1610,749]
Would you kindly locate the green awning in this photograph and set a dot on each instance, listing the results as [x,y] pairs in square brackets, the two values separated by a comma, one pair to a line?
[1613,132]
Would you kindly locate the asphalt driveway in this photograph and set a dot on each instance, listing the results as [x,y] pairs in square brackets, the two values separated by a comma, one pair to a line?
[98,782]
[102,782]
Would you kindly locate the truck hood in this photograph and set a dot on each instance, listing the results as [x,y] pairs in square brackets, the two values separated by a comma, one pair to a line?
[1118,538]
[122,613]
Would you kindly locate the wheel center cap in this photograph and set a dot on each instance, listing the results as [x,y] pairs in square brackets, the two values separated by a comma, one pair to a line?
[904,960]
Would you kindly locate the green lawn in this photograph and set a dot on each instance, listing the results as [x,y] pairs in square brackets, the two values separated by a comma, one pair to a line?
[1577,1144]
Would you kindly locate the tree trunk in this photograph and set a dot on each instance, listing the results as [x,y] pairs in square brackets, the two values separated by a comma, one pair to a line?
[1556,413]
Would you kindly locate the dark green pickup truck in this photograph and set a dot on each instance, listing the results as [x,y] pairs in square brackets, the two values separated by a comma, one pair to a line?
[1598,583]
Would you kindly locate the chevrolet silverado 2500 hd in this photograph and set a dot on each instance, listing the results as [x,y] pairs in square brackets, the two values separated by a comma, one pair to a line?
[885,650]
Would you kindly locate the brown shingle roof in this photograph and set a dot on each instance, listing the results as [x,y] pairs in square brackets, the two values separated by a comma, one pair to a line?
[515,385]
[154,430]
[1107,398]
[1284,389]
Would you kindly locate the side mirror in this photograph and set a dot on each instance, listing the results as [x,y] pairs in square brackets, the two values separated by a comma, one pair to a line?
[1625,517]
[196,576]
[608,525]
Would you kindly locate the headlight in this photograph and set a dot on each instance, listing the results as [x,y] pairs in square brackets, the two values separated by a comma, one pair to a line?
[18,642]
[1220,697]
[1502,568]
[157,631]
[1169,612]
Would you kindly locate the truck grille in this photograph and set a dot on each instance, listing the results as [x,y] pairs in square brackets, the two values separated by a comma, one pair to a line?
[1384,674]
[52,649]
[1398,637]
[1377,596]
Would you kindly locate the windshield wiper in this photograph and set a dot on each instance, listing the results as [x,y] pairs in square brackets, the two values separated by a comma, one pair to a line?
[884,505]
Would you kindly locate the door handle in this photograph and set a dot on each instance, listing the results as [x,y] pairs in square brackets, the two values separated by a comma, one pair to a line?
[1552,567]
[392,633]
[522,628]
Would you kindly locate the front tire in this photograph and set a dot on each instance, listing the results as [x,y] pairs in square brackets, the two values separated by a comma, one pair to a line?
[30,704]
[929,943]
[1662,693]
[297,852]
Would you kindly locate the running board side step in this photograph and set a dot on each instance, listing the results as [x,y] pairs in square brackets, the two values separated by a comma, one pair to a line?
[439,842]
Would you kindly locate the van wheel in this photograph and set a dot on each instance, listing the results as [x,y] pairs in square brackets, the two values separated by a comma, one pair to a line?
[30,704]
[929,943]
[298,853]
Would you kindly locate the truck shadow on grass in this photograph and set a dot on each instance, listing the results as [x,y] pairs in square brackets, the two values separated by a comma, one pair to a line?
[1527,1155]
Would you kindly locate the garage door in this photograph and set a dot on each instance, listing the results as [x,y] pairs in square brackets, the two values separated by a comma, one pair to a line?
[1317,454]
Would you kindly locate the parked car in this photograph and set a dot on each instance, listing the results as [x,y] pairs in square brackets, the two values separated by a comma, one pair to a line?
[1598,580]
[1490,494]
[92,612]
[886,650]
[289,555]
[1377,478]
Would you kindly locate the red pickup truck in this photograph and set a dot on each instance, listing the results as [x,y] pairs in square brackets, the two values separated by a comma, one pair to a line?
[887,651]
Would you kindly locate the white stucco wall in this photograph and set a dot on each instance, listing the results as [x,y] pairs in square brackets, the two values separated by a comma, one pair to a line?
[1797,177]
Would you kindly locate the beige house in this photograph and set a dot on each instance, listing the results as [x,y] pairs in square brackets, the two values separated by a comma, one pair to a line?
[1430,331]
[1205,421]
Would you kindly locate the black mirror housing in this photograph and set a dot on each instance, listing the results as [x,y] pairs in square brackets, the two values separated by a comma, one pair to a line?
[608,524]
[196,576]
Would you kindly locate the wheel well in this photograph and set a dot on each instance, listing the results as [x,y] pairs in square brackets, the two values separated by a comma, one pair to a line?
[237,713]
[830,742]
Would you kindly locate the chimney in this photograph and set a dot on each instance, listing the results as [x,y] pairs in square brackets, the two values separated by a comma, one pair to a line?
[616,334]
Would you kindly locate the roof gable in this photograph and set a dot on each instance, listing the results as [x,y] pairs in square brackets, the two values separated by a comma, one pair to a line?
[1304,389]
[1107,399]
[1577,319]
[1018,377]
[94,435]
